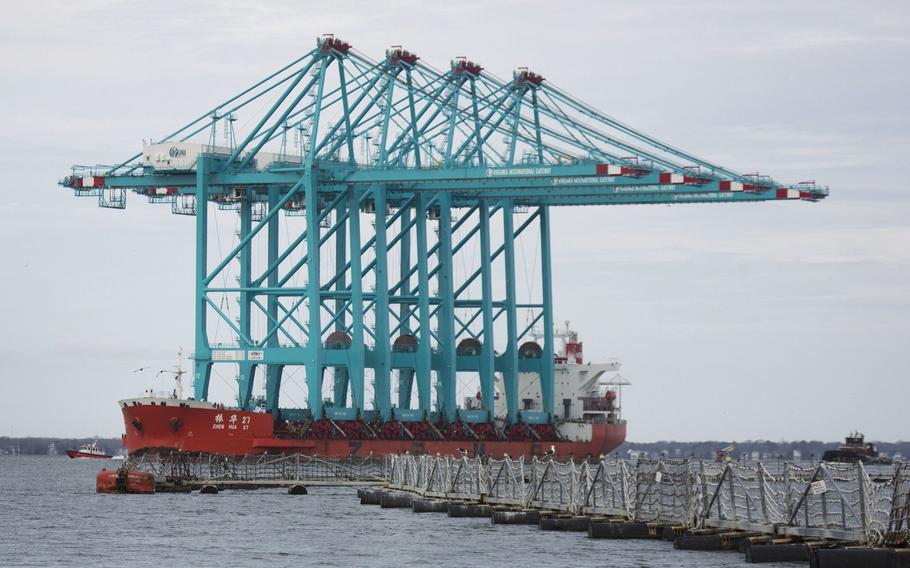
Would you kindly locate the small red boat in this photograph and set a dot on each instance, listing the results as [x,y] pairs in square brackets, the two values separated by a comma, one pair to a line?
[89,451]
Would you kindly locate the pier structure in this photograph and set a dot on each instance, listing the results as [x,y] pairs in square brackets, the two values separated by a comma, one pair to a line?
[382,209]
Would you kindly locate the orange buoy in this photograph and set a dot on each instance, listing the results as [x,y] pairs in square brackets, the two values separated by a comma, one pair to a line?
[124,481]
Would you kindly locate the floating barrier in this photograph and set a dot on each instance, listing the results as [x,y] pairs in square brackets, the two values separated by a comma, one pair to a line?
[429,506]
[526,517]
[388,500]
[720,541]
[124,481]
[369,496]
[791,552]
[745,543]
[792,513]
[469,510]
[831,501]
[861,558]
[786,513]
[671,532]
[619,530]
[565,524]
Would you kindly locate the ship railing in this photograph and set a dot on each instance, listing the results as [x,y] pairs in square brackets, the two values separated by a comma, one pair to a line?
[597,404]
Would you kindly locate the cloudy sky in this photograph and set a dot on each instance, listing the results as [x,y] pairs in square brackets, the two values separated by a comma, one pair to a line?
[767,320]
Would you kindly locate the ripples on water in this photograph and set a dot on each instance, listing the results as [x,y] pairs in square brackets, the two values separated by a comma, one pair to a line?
[50,515]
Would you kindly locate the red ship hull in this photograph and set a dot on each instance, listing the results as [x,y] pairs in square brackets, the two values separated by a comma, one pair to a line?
[77,454]
[160,428]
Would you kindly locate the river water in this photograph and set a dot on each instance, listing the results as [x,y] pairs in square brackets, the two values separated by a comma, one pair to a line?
[50,515]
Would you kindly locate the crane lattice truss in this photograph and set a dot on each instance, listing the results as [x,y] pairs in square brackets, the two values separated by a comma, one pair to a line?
[380,177]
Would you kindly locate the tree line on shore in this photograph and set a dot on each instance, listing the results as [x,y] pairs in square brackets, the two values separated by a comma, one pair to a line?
[750,449]
[42,446]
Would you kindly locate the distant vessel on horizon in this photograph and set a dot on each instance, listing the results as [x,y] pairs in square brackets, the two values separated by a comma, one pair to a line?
[856,449]
[91,451]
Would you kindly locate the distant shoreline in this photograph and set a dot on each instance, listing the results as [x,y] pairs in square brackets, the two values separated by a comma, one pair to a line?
[749,449]
[40,446]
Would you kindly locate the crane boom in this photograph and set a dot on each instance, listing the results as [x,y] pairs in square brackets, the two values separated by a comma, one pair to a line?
[398,170]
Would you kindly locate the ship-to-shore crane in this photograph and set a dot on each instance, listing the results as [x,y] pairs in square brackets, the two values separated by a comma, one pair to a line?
[389,173]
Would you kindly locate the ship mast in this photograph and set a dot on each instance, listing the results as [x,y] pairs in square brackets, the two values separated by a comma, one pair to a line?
[564,334]
[178,373]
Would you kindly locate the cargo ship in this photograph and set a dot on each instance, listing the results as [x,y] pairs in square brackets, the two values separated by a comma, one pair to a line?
[588,423]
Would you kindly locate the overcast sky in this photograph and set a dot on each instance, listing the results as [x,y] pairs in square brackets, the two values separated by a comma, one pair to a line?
[784,320]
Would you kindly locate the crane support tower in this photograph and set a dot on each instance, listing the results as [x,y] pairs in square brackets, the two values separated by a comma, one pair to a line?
[381,209]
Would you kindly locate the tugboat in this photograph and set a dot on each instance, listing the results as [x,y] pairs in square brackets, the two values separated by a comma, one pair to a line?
[855,449]
[88,451]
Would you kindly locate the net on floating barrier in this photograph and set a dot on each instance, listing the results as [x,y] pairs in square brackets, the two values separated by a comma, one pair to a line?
[740,494]
[847,501]
[610,490]
[260,467]
[891,495]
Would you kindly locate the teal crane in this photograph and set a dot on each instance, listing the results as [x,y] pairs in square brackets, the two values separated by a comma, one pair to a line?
[402,198]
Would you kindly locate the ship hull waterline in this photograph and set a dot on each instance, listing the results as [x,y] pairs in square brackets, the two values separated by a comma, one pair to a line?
[166,428]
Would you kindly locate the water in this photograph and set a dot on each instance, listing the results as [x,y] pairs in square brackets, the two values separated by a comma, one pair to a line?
[50,515]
